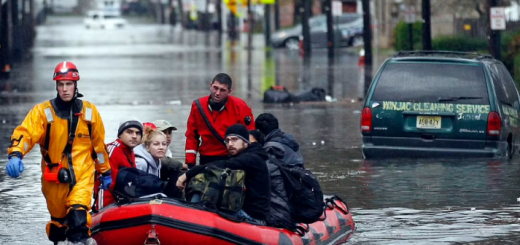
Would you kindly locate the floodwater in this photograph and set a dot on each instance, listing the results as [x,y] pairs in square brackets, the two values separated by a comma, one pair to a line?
[154,72]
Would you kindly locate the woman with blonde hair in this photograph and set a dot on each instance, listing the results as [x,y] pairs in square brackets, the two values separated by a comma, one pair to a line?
[148,155]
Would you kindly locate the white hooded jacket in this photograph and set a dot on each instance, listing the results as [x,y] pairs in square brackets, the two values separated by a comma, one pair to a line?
[144,161]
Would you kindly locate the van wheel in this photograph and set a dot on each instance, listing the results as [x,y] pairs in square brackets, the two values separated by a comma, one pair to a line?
[357,41]
[292,43]
[509,151]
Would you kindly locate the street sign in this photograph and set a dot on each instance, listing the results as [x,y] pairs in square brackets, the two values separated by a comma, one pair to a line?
[337,8]
[498,18]
[409,15]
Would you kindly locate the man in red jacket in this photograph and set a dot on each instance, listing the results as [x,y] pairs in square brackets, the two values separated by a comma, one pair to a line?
[121,154]
[221,110]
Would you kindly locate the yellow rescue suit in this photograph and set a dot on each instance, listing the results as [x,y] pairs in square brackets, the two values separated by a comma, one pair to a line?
[89,138]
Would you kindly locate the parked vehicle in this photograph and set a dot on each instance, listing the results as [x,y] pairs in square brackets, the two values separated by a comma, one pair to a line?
[102,20]
[433,103]
[348,31]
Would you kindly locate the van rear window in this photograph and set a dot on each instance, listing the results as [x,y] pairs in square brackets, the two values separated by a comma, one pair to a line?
[432,82]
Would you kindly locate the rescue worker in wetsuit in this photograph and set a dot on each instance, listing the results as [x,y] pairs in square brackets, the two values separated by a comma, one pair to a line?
[221,110]
[71,136]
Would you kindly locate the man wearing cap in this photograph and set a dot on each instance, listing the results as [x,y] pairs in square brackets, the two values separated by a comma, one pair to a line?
[251,158]
[205,131]
[121,154]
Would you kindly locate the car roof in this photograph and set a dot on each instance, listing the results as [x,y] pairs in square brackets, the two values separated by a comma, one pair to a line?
[427,55]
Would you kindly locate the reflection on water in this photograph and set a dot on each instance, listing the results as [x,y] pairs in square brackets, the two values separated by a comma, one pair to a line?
[152,72]
[435,226]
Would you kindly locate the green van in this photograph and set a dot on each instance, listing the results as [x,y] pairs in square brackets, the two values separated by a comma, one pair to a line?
[441,104]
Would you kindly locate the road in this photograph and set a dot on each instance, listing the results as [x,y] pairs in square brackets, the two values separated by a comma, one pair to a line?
[155,72]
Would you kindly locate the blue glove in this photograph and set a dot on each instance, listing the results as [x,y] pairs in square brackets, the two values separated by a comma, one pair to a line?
[15,165]
[106,180]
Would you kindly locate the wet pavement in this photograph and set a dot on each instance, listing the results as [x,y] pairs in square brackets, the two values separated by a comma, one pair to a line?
[152,71]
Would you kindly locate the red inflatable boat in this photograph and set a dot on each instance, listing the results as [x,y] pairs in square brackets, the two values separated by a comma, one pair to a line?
[169,221]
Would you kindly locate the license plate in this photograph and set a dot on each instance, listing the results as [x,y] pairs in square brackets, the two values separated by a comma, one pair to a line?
[428,122]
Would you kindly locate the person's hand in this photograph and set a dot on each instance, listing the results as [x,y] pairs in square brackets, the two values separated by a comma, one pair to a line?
[184,166]
[15,165]
[181,181]
[106,180]
[191,159]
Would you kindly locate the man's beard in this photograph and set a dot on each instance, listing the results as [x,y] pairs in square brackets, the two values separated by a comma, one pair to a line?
[237,151]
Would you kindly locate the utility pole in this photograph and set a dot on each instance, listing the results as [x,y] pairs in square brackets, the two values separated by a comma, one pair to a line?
[205,17]
[267,24]
[31,14]
[181,13]
[218,8]
[306,11]
[367,39]
[161,14]
[277,15]
[22,37]
[3,40]
[249,25]
[7,41]
[410,35]
[427,26]
[232,27]
[367,32]
[15,43]
[494,35]
[330,27]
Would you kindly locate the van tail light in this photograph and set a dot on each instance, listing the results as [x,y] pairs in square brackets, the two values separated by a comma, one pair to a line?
[494,125]
[366,120]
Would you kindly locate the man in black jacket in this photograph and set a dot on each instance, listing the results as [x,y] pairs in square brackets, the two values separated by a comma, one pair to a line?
[283,147]
[279,144]
[251,158]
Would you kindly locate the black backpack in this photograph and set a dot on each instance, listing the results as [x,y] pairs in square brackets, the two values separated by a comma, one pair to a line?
[278,94]
[304,192]
[132,183]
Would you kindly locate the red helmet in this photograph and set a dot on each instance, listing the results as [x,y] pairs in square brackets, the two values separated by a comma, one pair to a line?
[66,71]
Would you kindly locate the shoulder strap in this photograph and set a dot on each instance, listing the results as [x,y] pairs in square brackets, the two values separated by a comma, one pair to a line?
[72,132]
[213,131]
[88,118]
[147,163]
[50,120]
[277,162]
[132,164]
[73,120]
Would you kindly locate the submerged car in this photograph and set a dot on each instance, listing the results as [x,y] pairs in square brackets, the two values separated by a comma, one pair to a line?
[348,29]
[441,104]
[102,20]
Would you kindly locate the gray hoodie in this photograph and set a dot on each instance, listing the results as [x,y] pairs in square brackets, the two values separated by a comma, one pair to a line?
[284,147]
[144,161]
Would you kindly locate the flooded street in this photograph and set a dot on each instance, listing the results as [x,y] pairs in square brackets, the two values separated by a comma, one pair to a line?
[154,72]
